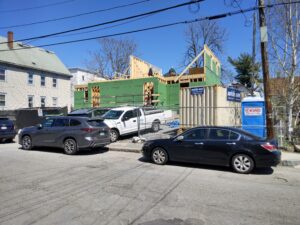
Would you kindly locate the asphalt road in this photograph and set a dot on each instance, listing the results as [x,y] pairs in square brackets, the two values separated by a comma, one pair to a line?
[100,187]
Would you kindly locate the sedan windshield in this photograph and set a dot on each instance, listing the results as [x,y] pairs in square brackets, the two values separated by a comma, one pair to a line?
[112,114]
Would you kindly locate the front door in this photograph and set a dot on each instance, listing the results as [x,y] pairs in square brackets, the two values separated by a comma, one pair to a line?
[190,148]
[129,122]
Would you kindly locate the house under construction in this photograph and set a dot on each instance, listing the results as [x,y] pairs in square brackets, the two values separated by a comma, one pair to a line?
[146,85]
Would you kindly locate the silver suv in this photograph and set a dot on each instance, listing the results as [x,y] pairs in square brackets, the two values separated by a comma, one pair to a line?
[67,132]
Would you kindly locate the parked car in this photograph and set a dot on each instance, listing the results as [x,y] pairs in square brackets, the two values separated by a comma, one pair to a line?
[67,132]
[90,112]
[124,120]
[7,130]
[215,146]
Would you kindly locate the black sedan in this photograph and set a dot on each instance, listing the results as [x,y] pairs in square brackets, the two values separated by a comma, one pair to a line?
[215,146]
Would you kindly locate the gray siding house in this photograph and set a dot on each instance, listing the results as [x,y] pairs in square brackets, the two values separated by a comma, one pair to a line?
[32,77]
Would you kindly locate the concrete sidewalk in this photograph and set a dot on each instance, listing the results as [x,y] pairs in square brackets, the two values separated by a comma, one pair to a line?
[287,158]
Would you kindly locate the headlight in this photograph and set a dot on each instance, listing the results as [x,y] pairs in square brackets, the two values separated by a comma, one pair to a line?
[19,131]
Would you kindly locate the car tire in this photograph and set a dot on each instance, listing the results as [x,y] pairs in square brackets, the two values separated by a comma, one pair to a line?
[26,142]
[70,146]
[242,163]
[155,126]
[159,156]
[114,135]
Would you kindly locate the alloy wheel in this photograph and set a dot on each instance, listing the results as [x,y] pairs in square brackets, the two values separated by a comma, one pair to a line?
[26,143]
[159,156]
[242,163]
[70,146]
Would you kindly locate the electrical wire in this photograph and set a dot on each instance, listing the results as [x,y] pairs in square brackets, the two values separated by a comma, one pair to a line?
[217,16]
[76,15]
[36,7]
[109,22]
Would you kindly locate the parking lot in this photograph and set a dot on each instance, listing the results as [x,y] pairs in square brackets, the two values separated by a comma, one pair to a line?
[44,186]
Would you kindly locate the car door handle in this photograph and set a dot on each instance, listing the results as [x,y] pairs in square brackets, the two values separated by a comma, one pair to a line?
[230,143]
[134,120]
[199,143]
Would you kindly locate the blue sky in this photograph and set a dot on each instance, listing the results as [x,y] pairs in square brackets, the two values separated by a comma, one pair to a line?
[163,47]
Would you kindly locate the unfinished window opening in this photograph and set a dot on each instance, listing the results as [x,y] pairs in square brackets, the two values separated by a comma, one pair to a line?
[86,94]
[95,96]
[184,85]
[148,93]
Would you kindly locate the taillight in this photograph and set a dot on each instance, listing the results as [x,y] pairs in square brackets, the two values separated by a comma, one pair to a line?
[269,147]
[88,129]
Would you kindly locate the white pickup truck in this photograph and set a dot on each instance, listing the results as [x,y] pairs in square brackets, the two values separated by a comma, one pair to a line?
[124,120]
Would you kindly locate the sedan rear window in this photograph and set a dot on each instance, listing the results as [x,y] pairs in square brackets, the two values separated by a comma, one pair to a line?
[219,134]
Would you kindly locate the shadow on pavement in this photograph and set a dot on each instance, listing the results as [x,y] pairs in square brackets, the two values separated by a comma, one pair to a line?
[81,152]
[257,171]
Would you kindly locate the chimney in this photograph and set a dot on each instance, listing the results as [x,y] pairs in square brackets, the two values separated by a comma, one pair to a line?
[10,39]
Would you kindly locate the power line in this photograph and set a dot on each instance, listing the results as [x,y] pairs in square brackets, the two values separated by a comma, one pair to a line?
[109,22]
[36,7]
[217,16]
[74,16]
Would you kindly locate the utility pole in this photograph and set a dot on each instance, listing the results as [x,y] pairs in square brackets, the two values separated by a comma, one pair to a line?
[265,68]
[253,52]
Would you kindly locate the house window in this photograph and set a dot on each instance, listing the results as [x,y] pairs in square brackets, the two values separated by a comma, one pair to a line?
[2,74]
[30,78]
[43,81]
[43,101]
[54,82]
[54,101]
[2,99]
[30,101]
[83,78]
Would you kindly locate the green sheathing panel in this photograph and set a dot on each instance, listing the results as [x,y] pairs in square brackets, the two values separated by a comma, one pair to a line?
[79,100]
[122,92]
[212,75]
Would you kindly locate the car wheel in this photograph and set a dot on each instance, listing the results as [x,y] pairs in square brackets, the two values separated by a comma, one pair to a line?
[159,156]
[70,146]
[242,163]
[114,135]
[26,142]
[155,126]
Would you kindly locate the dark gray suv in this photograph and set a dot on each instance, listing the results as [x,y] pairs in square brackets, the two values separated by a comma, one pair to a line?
[67,132]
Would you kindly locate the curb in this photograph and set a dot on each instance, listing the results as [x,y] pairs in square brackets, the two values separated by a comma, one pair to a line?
[116,149]
[290,163]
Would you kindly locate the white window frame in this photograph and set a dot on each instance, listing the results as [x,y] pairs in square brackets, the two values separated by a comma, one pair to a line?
[32,96]
[54,79]
[54,101]
[43,76]
[43,97]
[3,94]
[1,68]
[28,79]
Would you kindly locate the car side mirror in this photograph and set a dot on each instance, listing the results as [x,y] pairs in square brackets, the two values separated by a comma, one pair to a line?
[179,138]
[39,126]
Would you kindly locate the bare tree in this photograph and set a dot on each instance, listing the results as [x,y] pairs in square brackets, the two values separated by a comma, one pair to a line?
[112,57]
[284,49]
[200,33]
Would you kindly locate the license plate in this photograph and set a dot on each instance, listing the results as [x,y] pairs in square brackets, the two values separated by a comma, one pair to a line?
[3,128]
[102,133]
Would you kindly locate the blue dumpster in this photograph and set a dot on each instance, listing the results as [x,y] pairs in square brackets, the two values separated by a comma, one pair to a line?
[254,116]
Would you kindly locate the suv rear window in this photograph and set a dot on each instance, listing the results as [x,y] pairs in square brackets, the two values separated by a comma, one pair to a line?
[96,123]
[74,122]
[5,121]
